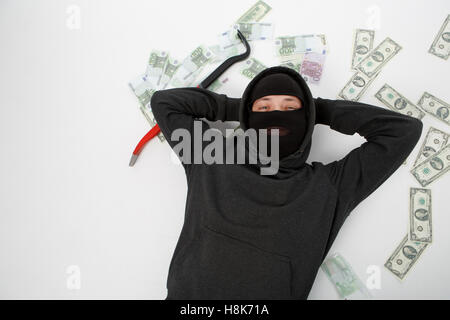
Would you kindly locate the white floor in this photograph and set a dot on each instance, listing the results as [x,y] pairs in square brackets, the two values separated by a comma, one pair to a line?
[77,222]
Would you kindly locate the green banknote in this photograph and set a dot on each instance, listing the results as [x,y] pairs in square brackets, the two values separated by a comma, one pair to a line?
[344,279]
[434,140]
[404,257]
[435,107]
[397,102]
[255,13]
[252,67]
[434,167]
[420,222]
[362,45]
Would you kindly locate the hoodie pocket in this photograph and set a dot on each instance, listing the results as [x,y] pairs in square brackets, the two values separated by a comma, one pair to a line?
[218,266]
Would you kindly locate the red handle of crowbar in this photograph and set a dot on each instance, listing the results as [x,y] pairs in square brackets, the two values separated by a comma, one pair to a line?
[149,136]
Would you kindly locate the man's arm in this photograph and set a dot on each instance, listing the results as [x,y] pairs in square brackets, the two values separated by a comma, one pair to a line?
[390,136]
[179,107]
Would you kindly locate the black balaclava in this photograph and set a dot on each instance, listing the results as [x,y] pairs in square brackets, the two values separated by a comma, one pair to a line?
[293,120]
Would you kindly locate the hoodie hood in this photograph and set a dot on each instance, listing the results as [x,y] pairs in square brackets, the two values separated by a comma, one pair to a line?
[298,158]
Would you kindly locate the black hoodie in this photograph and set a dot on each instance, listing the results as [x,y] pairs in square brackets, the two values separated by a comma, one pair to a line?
[252,236]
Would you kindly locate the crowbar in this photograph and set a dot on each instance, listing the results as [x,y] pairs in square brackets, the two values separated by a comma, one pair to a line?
[204,84]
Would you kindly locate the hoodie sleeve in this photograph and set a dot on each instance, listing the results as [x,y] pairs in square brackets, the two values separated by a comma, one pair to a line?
[179,107]
[391,136]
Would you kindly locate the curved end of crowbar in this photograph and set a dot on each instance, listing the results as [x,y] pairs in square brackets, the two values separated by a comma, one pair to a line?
[247,46]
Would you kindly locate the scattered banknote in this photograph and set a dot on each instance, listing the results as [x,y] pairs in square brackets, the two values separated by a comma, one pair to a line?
[250,30]
[155,66]
[255,30]
[143,90]
[378,57]
[292,64]
[344,279]
[170,68]
[420,228]
[434,140]
[441,44]
[255,13]
[397,102]
[404,257]
[191,67]
[362,45]
[221,55]
[435,107]
[251,68]
[293,61]
[356,86]
[312,66]
[289,45]
[435,166]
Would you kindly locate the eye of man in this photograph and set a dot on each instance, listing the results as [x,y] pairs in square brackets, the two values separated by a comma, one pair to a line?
[290,107]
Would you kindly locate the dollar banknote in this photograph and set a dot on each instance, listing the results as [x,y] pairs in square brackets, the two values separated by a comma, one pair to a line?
[255,13]
[251,67]
[143,90]
[170,68]
[434,140]
[289,45]
[397,102]
[362,45]
[404,257]
[155,66]
[191,67]
[344,279]
[312,67]
[441,43]
[356,86]
[434,167]
[435,107]
[378,57]
[420,222]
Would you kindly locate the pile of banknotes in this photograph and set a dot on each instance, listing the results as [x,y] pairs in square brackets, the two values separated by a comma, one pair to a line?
[303,53]
[431,163]
[367,62]
[432,160]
